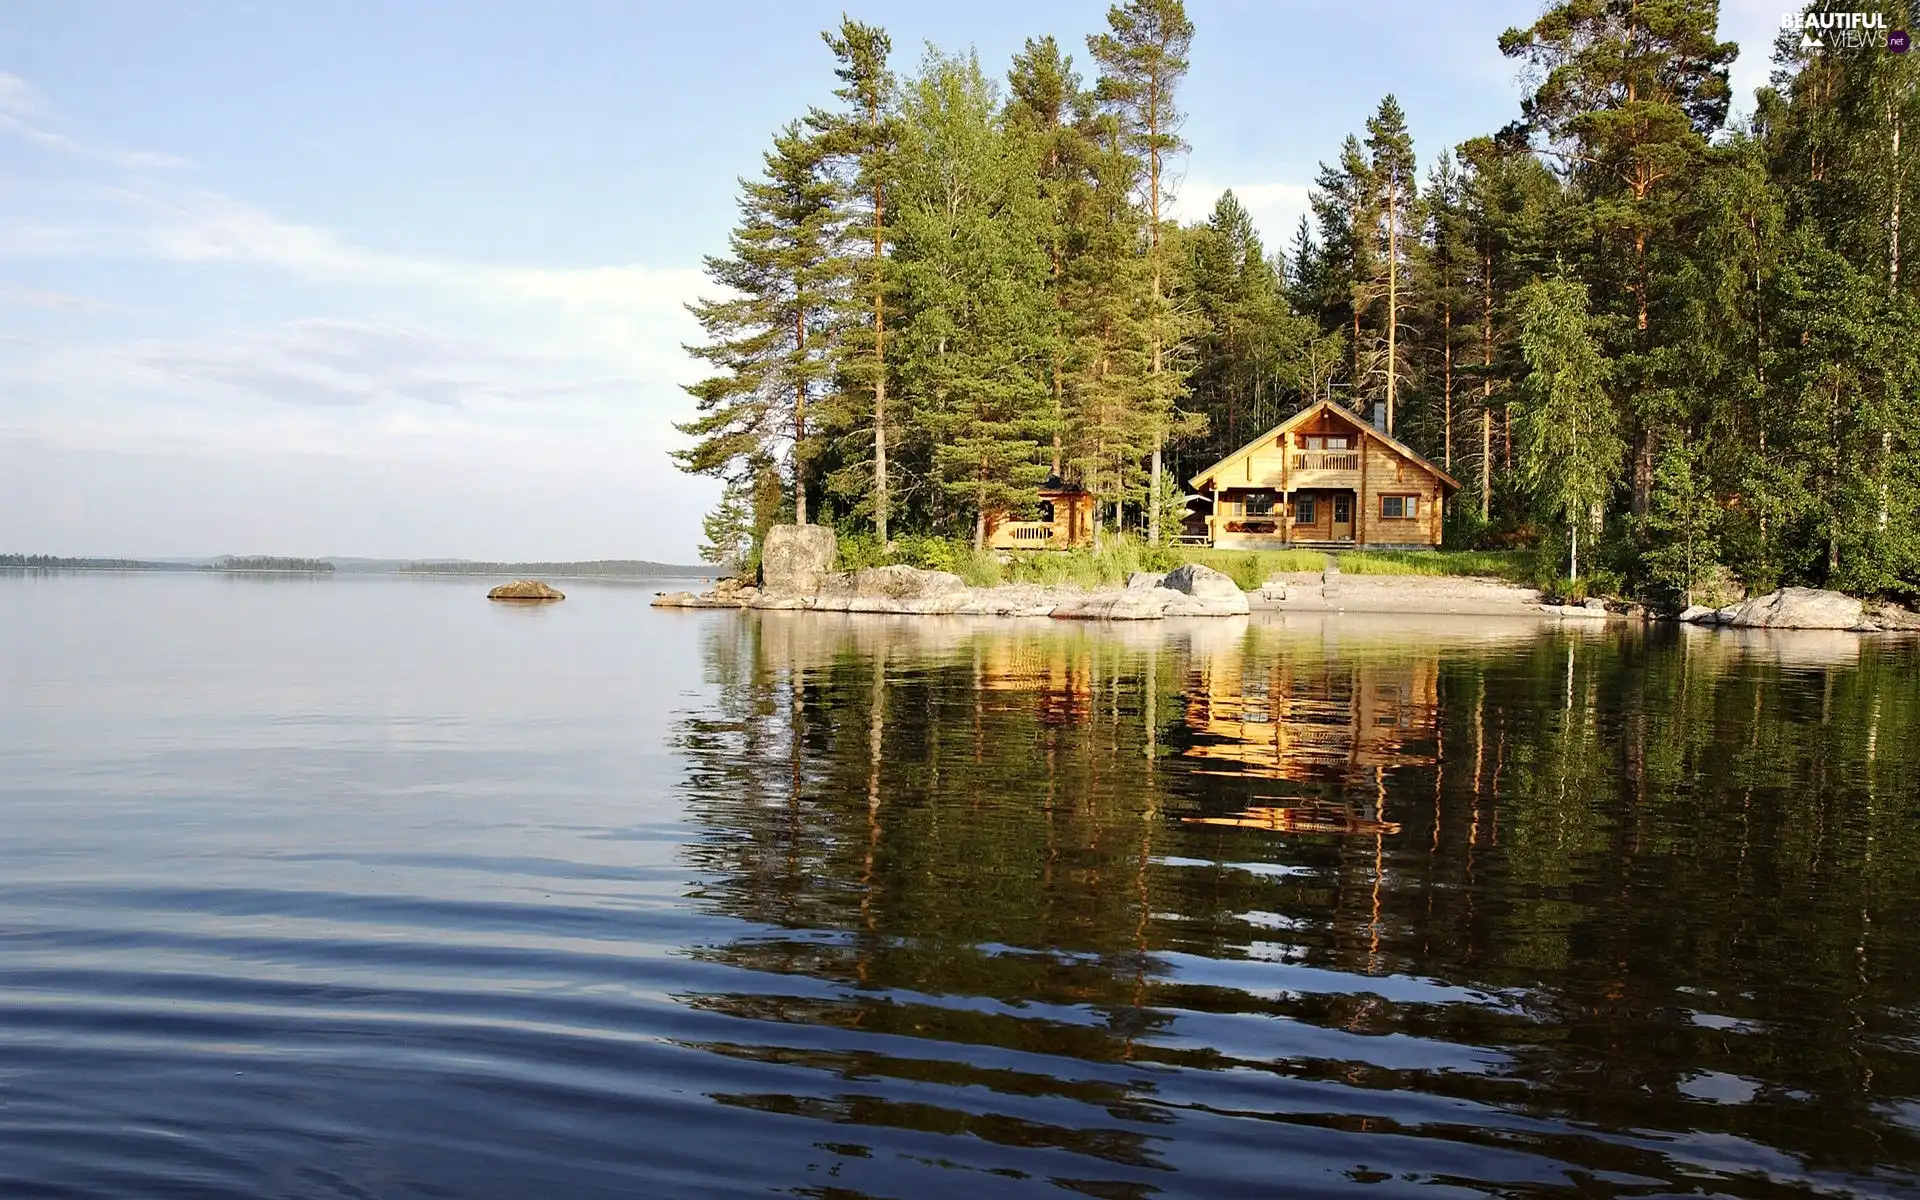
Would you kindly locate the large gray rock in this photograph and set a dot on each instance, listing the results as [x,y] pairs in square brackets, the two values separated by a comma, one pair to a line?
[892,583]
[1014,600]
[796,559]
[1798,608]
[526,589]
[1206,593]
[1134,604]
[1699,614]
[1145,579]
[892,590]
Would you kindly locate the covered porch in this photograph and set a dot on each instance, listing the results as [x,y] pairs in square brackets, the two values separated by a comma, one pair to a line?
[1283,519]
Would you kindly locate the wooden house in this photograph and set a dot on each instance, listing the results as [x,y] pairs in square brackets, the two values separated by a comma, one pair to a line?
[1324,477]
[1065,520]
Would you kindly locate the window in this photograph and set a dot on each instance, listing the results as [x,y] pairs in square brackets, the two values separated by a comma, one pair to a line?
[1329,441]
[1400,506]
[1259,504]
[1046,511]
[1342,509]
[1303,511]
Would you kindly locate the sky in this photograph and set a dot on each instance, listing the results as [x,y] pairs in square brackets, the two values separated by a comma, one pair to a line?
[407,279]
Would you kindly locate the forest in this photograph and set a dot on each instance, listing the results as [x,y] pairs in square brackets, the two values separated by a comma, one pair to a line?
[1664,345]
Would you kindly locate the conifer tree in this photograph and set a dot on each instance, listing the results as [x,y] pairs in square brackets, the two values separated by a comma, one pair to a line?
[1390,229]
[860,139]
[768,339]
[1627,93]
[1046,98]
[977,342]
[1143,58]
[1567,424]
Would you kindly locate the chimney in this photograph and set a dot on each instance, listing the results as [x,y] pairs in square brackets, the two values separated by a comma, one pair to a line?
[1380,415]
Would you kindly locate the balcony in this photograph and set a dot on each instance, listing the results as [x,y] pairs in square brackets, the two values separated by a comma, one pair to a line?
[1327,460]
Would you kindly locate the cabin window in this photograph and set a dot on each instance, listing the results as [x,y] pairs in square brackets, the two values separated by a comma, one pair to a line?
[1046,511]
[1259,504]
[1342,509]
[1303,511]
[1399,506]
[1329,441]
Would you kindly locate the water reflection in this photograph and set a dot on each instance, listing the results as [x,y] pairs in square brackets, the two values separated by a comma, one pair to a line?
[1504,909]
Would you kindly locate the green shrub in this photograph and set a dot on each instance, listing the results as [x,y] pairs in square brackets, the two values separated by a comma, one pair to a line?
[1517,566]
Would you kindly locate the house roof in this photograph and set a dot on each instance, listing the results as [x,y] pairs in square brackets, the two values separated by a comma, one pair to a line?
[1345,414]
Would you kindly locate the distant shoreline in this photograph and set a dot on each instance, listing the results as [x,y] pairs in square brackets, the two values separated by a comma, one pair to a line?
[607,568]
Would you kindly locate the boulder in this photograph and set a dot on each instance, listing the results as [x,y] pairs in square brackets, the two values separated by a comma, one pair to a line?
[1699,614]
[1892,616]
[1145,579]
[1574,610]
[1798,608]
[892,583]
[525,589]
[796,559]
[692,600]
[1134,604]
[1016,600]
[1211,593]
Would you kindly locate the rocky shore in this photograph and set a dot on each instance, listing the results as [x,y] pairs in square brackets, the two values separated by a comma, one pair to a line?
[797,574]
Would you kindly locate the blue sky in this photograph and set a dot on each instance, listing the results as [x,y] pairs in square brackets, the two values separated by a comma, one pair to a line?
[407,278]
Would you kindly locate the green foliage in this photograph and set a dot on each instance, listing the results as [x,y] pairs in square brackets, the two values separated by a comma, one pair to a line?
[1572,453]
[1511,565]
[1644,341]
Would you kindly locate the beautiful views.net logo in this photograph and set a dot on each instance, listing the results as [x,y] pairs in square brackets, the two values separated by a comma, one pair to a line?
[1845,31]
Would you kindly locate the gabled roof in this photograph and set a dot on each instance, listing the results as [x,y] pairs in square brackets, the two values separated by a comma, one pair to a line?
[1344,413]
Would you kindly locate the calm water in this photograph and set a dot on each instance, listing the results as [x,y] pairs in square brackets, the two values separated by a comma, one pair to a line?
[368,888]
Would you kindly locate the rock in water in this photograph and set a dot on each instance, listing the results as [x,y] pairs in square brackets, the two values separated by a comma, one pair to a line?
[1798,608]
[525,589]
[1214,594]
[796,559]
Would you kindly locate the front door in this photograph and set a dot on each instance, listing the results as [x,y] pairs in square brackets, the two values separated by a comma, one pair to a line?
[1342,516]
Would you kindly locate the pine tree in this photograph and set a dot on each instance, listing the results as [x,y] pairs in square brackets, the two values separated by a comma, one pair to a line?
[1628,93]
[1143,58]
[1684,519]
[1046,96]
[860,140]
[1389,231]
[1447,299]
[768,340]
[977,343]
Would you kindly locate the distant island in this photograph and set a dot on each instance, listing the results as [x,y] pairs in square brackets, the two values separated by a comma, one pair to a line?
[599,568]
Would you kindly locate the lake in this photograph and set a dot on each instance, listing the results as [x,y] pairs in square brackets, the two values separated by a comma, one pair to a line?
[365,887]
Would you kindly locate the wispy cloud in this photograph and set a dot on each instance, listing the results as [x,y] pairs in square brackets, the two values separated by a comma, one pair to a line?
[24,112]
[332,364]
[22,297]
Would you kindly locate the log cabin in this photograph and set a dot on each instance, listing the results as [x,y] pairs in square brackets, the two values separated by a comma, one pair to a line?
[1064,520]
[1324,477]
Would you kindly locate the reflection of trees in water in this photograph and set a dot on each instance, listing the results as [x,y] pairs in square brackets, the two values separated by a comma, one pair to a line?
[1621,877]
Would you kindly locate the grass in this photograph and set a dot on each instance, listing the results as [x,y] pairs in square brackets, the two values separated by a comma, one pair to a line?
[1117,558]
[1515,566]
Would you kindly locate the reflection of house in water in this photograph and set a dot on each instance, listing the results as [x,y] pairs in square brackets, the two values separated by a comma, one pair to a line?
[1055,671]
[1313,721]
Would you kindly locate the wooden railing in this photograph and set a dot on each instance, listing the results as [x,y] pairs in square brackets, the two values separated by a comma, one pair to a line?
[1032,533]
[1327,460]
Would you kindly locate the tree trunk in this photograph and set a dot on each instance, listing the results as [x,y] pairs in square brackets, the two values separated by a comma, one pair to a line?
[1573,531]
[799,422]
[1153,251]
[1446,375]
[1393,298]
[880,497]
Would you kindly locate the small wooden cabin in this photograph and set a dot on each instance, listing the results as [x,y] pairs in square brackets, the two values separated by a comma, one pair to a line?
[1065,520]
[1325,477]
